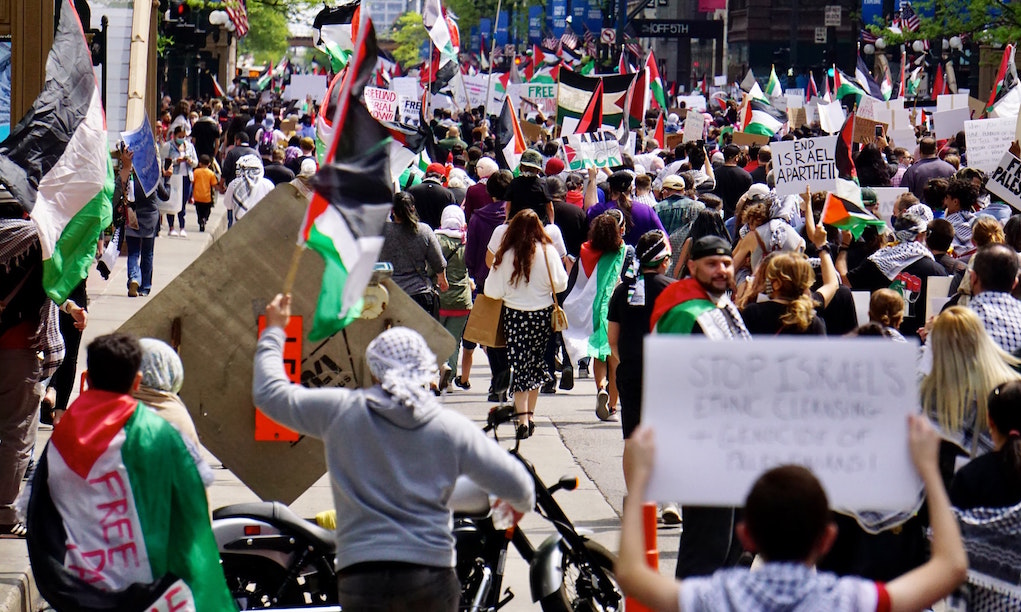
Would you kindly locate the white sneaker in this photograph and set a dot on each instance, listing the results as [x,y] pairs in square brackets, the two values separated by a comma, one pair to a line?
[183,233]
[670,514]
[174,232]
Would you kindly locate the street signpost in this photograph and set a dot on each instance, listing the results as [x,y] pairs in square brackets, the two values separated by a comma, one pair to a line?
[678,28]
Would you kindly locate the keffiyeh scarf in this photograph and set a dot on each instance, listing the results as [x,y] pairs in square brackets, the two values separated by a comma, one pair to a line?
[892,260]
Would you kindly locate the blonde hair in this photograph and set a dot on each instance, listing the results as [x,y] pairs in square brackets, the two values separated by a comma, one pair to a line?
[793,276]
[886,307]
[966,366]
[986,230]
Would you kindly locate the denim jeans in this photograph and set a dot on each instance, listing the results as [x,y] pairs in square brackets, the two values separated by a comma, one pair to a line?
[140,249]
[398,588]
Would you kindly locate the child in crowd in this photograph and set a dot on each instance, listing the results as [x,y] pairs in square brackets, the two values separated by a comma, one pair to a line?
[205,180]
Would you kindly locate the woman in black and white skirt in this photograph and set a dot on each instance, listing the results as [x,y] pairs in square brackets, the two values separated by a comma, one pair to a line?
[523,268]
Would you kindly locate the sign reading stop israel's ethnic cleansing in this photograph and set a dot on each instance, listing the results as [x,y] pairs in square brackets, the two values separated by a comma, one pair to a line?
[807,162]
[595,150]
[382,103]
[1005,181]
[724,412]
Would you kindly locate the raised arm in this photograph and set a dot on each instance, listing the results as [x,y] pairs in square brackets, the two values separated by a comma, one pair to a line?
[591,199]
[948,566]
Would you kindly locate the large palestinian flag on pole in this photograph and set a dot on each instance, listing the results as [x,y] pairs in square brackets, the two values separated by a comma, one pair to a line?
[576,90]
[588,303]
[354,193]
[118,502]
[56,162]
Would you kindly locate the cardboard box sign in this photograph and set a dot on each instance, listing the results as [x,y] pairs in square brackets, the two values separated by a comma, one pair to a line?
[217,301]
[744,138]
[865,130]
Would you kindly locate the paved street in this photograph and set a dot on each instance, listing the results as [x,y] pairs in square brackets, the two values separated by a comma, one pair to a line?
[569,440]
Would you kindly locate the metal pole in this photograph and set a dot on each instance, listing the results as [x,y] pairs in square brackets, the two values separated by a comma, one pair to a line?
[104,23]
[726,27]
[492,48]
[622,19]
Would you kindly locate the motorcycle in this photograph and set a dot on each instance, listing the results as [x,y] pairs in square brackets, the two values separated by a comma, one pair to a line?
[272,558]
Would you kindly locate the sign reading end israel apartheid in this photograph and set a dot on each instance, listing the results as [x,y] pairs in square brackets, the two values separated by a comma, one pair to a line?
[382,103]
[807,162]
[1005,181]
[595,150]
[725,412]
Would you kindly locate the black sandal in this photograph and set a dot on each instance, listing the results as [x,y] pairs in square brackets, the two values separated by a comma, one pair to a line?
[523,430]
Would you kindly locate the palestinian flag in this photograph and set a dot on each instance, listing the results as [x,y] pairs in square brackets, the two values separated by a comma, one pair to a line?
[218,91]
[762,118]
[266,80]
[844,210]
[117,483]
[1006,78]
[575,91]
[679,306]
[335,29]
[845,86]
[864,78]
[354,193]
[56,162]
[939,82]
[592,119]
[655,82]
[324,120]
[827,95]
[660,132]
[842,156]
[510,141]
[811,91]
[589,301]
[773,89]
[623,66]
[901,92]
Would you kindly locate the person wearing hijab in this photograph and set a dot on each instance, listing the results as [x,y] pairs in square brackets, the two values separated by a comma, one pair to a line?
[162,379]
[247,189]
[456,301]
[393,454]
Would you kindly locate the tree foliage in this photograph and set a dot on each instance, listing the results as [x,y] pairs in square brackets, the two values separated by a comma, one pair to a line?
[267,32]
[987,21]
[408,33]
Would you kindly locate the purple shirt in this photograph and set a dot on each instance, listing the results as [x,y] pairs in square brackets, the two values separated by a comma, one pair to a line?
[917,176]
[643,216]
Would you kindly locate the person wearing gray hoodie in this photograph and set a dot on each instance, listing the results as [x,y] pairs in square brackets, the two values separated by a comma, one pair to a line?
[393,454]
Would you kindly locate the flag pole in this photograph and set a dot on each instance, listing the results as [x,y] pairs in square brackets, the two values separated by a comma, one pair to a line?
[492,48]
[432,75]
[292,271]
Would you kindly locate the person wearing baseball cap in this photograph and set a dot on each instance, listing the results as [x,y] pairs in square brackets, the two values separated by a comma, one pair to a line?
[674,204]
[701,305]
[431,197]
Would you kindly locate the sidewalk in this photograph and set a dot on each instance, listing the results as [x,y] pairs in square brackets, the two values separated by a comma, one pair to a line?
[587,506]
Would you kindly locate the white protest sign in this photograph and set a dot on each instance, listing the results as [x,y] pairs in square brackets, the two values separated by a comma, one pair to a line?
[475,85]
[720,80]
[795,101]
[885,198]
[945,102]
[831,117]
[303,85]
[382,103]
[724,412]
[903,138]
[595,150]
[895,104]
[694,127]
[1005,180]
[406,86]
[811,112]
[410,111]
[987,140]
[871,108]
[807,162]
[543,94]
[696,102]
[947,123]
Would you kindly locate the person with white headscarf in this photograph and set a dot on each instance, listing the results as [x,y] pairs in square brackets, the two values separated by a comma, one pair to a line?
[393,455]
[247,189]
[456,301]
[162,379]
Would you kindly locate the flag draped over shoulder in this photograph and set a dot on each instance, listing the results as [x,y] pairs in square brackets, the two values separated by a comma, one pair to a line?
[354,192]
[117,483]
[588,303]
[56,162]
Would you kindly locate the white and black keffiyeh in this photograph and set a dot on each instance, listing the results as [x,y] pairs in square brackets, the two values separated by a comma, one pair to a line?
[723,322]
[992,537]
[1000,314]
[402,362]
[250,171]
[892,260]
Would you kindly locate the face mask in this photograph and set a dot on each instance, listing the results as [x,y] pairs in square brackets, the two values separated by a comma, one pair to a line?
[179,140]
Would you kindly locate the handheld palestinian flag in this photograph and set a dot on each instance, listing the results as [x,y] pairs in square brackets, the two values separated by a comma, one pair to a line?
[655,82]
[811,91]
[865,79]
[845,86]
[335,29]
[1006,78]
[773,89]
[509,138]
[592,119]
[939,82]
[56,162]
[354,193]
[842,155]
[589,301]
[576,90]
[844,210]
[324,120]
[660,132]
[762,118]
[266,79]
[118,502]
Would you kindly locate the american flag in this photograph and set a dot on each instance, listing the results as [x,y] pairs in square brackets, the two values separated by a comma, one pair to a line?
[868,37]
[633,47]
[551,43]
[590,42]
[908,18]
[238,15]
[569,39]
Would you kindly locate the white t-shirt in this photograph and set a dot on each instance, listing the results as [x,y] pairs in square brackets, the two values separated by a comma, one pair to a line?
[551,229]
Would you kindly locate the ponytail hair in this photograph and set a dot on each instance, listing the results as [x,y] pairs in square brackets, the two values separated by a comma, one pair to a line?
[793,276]
[1004,409]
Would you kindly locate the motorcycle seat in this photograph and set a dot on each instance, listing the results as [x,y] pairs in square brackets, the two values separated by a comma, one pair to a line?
[279,514]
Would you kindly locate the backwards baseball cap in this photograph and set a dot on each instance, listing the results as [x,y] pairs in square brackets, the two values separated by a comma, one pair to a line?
[708,246]
[674,182]
[531,159]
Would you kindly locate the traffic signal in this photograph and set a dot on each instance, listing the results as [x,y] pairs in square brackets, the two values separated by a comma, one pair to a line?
[179,10]
[97,46]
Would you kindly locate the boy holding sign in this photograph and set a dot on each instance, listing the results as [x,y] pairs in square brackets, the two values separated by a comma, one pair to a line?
[787,522]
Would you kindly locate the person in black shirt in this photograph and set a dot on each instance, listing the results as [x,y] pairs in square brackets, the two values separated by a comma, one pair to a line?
[993,480]
[791,310]
[732,181]
[205,133]
[629,318]
[275,170]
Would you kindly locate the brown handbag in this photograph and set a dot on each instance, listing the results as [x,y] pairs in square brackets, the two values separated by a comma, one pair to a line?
[485,322]
[558,320]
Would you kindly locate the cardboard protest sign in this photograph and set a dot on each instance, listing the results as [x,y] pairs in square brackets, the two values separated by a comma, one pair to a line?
[797,117]
[409,111]
[382,103]
[947,123]
[988,139]
[694,127]
[531,131]
[865,130]
[1005,180]
[725,412]
[744,138]
[945,102]
[595,150]
[217,331]
[807,162]
[672,140]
